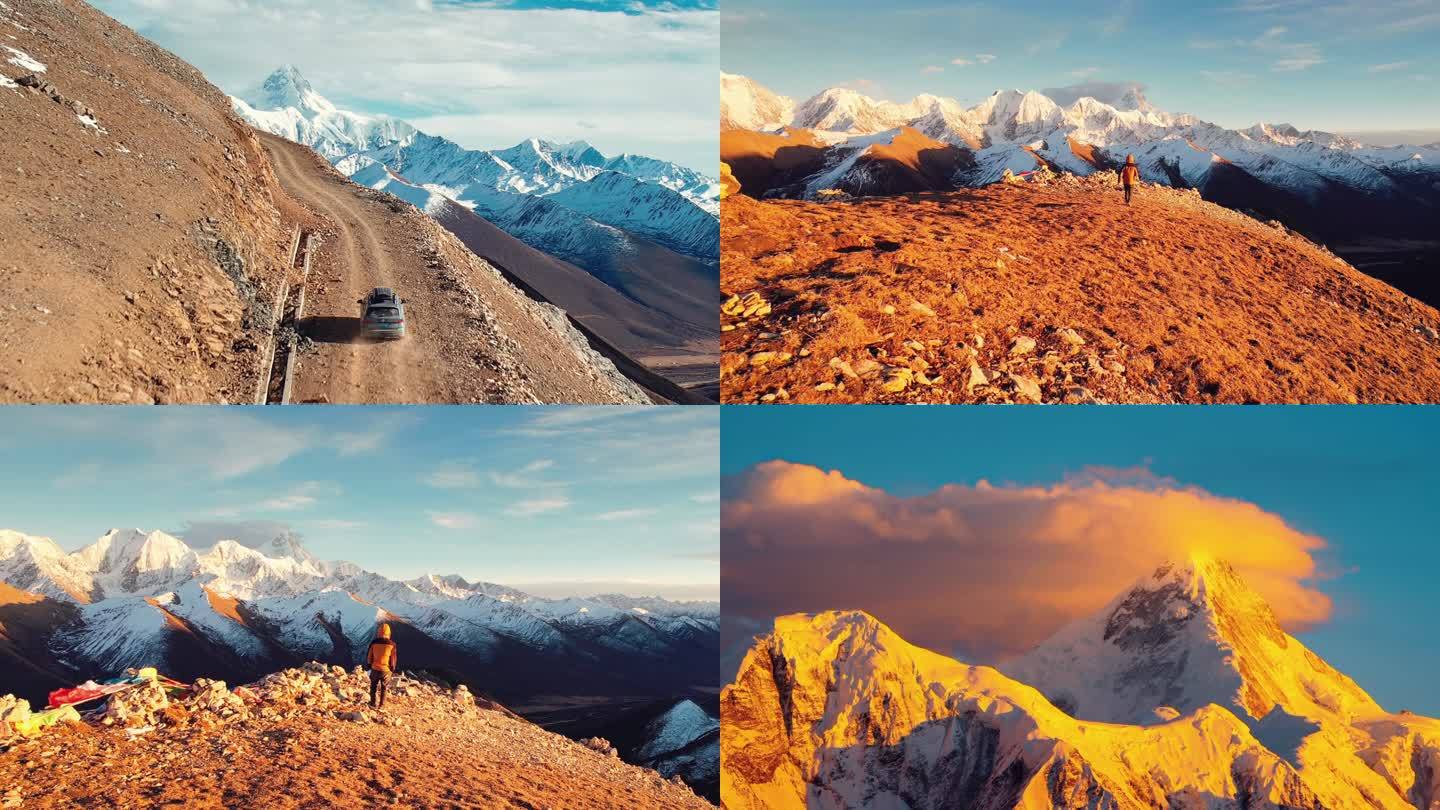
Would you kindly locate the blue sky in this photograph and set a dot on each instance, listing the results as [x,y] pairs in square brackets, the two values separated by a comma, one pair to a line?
[626,76]
[1327,64]
[566,500]
[1362,478]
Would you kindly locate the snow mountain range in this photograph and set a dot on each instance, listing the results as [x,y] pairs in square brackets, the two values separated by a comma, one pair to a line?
[136,598]
[556,197]
[1183,692]
[1019,130]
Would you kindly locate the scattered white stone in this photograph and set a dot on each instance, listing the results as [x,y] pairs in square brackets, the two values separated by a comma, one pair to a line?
[1027,388]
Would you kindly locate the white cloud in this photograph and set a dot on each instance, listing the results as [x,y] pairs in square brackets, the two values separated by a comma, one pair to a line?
[336,524]
[454,520]
[453,475]
[524,477]
[1297,63]
[538,506]
[932,69]
[625,514]
[301,496]
[798,537]
[226,443]
[371,437]
[1289,56]
[977,59]
[706,497]
[1387,67]
[1081,73]
[483,74]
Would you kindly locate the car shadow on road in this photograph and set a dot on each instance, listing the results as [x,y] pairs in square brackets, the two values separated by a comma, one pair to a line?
[330,329]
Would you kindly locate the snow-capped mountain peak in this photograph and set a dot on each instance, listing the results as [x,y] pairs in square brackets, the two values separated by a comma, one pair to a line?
[679,726]
[1021,130]
[286,87]
[286,105]
[1184,636]
[744,104]
[836,709]
[674,206]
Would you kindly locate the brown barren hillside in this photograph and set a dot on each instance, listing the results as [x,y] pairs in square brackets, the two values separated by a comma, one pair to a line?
[760,160]
[306,737]
[142,235]
[145,251]
[26,622]
[1054,292]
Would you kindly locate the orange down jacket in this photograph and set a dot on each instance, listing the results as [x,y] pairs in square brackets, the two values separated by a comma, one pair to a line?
[382,655]
[1130,175]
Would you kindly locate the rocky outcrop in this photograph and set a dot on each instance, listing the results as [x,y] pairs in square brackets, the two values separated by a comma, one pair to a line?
[307,735]
[146,236]
[728,184]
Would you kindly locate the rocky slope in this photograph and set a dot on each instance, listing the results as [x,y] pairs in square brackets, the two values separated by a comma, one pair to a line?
[305,737]
[142,235]
[1054,291]
[835,710]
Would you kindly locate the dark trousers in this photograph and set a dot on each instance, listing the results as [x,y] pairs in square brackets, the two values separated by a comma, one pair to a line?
[378,679]
[1127,193]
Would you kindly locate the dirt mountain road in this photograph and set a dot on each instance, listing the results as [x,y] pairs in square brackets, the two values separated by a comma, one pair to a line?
[471,337]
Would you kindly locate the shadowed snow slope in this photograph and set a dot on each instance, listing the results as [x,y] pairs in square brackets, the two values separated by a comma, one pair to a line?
[834,710]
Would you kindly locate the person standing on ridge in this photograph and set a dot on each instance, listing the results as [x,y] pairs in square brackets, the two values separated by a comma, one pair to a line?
[1129,176]
[382,659]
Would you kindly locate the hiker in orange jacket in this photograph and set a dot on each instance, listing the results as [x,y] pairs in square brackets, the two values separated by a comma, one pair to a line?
[1129,176]
[382,660]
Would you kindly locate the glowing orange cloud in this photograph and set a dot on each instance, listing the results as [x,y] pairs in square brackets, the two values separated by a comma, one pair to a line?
[988,571]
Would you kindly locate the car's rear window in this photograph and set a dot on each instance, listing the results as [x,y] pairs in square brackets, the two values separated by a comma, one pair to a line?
[384,312]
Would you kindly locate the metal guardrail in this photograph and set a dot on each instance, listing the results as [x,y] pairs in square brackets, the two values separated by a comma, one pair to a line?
[297,317]
[262,385]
